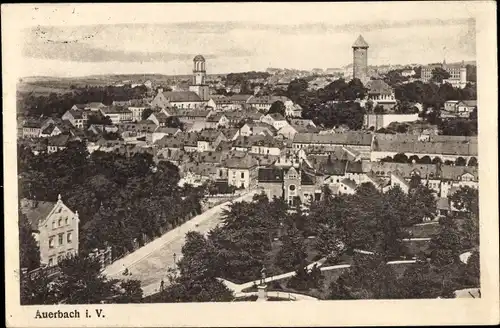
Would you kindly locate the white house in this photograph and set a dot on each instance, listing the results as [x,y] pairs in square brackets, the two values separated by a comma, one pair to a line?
[276,120]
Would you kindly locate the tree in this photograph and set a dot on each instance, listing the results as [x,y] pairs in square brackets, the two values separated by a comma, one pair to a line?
[379,109]
[277,107]
[174,122]
[421,203]
[38,289]
[472,273]
[425,160]
[130,291]
[472,161]
[413,159]
[98,119]
[460,161]
[439,74]
[466,201]
[400,158]
[367,278]
[445,246]
[146,113]
[198,270]
[81,281]
[29,254]
[292,253]
[369,106]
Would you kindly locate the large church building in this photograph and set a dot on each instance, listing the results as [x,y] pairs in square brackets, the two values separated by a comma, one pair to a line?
[198,96]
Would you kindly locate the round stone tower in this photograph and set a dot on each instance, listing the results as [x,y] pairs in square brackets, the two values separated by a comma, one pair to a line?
[360,59]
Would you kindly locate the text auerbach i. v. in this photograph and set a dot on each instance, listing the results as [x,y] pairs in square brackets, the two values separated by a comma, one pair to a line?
[66,314]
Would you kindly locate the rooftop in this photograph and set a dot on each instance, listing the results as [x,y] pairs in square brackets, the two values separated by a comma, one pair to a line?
[345,138]
[35,211]
[181,96]
[360,43]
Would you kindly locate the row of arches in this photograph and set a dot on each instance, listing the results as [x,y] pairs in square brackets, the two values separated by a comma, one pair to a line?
[402,158]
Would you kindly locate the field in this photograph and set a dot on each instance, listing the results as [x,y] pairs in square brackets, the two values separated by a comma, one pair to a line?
[44,85]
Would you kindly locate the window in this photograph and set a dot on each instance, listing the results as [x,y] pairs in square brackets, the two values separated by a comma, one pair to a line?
[51,261]
[291,187]
[66,221]
[69,238]
[59,210]
[59,258]
[243,175]
[53,224]
[61,238]
[51,242]
[59,223]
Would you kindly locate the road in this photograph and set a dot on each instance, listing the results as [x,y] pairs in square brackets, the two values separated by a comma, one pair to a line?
[149,263]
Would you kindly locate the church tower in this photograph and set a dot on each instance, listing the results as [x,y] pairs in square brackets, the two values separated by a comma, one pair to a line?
[360,59]
[199,85]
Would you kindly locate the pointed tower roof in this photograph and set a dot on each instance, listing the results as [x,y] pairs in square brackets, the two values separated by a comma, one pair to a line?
[360,43]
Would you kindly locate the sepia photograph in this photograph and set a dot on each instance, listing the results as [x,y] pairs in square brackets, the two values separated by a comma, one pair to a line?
[204,153]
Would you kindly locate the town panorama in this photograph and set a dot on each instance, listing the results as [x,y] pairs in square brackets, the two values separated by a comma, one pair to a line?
[359,182]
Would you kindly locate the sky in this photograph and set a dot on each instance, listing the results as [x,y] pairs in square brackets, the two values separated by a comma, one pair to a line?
[78,40]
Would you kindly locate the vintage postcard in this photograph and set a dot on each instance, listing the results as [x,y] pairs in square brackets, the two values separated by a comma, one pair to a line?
[250,164]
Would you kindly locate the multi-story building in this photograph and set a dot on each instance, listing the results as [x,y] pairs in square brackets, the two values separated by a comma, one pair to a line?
[117,114]
[77,117]
[241,172]
[380,93]
[55,228]
[356,141]
[444,148]
[458,73]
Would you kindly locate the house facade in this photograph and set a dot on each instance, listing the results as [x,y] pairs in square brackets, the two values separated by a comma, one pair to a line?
[55,227]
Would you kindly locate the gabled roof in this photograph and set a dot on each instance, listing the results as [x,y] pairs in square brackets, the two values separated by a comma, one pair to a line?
[115,110]
[276,117]
[266,99]
[270,174]
[306,179]
[348,182]
[360,43]
[95,105]
[182,96]
[182,112]
[77,114]
[59,140]
[167,130]
[239,98]
[35,211]
[454,173]
[346,138]
[215,118]
[447,145]
[32,124]
[246,162]
[208,135]
[378,87]
[49,129]
[160,116]
[469,103]
[329,167]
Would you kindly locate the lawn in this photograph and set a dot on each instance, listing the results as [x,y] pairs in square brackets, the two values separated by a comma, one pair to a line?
[272,269]
[416,247]
[320,293]
[424,231]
